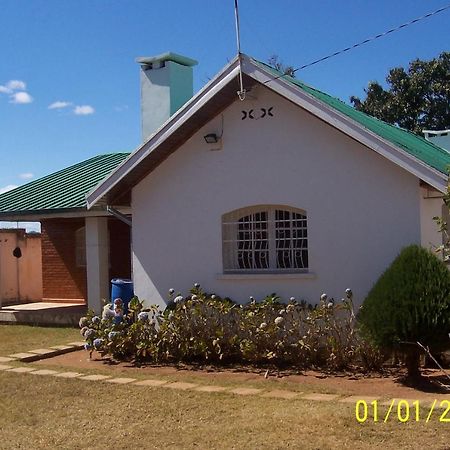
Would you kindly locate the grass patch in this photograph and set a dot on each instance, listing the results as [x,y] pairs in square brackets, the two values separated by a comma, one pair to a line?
[20,338]
[79,414]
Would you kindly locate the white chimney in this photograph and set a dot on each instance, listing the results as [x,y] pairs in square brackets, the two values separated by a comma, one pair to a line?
[166,85]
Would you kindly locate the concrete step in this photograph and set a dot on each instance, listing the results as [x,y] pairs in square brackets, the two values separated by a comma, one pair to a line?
[43,314]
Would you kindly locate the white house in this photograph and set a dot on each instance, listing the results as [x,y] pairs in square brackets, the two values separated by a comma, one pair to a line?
[295,192]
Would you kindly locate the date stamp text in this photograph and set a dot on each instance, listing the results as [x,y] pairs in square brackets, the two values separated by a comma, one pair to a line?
[403,411]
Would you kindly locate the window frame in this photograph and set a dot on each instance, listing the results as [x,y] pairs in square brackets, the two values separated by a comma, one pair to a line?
[230,240]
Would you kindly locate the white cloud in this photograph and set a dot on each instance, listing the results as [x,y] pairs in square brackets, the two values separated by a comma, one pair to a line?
[59,105]
[26,175]
[7,188]
[83,110]
[16,85]
[120,108]
[21,98]
[13,85]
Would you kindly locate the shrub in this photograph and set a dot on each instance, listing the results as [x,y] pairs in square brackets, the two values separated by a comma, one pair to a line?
[410,302]
[203,327]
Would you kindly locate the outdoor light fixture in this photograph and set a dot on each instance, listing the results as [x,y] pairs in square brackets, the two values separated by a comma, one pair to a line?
[211,138]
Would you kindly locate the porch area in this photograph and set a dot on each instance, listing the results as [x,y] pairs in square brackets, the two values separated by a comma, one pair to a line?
[43,313]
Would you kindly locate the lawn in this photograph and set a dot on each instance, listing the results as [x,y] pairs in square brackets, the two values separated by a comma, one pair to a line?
[19,338]
[47,412]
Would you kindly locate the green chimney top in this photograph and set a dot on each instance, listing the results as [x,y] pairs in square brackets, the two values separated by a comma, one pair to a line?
[168,56]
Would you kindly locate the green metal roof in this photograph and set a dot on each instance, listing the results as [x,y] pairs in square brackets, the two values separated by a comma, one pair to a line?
[420,148]
[62,190]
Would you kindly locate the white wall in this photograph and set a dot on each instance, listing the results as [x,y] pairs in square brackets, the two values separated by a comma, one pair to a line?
[97,260]
[361,208]
[431,205]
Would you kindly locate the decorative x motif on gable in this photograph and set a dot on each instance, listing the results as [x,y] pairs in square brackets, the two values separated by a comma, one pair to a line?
[259,114]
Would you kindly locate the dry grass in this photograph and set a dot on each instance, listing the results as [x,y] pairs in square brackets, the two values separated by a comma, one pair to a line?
[20,338]
[46,412]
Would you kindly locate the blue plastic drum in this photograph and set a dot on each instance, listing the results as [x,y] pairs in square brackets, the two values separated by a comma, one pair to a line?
[123,289]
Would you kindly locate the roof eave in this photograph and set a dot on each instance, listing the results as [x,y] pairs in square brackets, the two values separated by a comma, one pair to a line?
[37,215]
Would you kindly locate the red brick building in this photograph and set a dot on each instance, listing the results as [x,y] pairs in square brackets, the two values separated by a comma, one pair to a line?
[63,257]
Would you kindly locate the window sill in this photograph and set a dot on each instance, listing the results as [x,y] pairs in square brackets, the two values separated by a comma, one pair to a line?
[266,276]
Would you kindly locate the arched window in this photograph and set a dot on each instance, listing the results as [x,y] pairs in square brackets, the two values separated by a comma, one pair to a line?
[270,238]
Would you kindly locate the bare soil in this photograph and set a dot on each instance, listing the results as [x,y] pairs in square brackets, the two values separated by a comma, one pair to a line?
[386,385]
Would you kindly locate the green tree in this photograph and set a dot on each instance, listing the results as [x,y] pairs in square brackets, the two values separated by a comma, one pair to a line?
[416,99]
[409,303]
[443,228]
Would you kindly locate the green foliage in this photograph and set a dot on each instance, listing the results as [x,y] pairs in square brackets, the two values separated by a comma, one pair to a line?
[416,99]
[204,327]
[444,248]
[410,302]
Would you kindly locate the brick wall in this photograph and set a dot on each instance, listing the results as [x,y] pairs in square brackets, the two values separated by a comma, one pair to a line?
[61,278]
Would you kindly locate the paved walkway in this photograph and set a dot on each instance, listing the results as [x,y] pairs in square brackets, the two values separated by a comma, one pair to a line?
[241,390]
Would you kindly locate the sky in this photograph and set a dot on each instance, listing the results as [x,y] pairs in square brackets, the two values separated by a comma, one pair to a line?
[69,83]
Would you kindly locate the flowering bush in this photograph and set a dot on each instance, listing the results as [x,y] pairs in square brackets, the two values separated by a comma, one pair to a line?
[118,334]
[204,327]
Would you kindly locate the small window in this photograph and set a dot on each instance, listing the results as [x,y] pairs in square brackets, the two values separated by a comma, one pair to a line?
[80,247]
[265,239]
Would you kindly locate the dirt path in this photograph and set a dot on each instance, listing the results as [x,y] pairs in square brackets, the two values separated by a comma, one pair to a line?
[359,384]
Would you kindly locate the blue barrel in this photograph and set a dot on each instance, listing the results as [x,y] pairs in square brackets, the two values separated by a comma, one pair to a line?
[123,289]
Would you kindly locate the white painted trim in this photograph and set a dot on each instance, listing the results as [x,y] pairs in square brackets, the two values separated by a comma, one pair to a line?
[59,215]
[266,276]
[436,132]
[348,126]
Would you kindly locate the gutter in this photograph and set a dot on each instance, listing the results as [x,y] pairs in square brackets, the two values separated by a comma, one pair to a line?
[119,215]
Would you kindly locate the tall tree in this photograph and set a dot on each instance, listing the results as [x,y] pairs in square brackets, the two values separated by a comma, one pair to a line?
[416,99]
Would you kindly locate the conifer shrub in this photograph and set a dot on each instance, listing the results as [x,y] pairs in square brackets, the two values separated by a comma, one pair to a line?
[410,302]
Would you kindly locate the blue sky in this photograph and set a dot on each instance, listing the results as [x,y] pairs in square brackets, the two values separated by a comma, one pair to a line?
[81,53]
